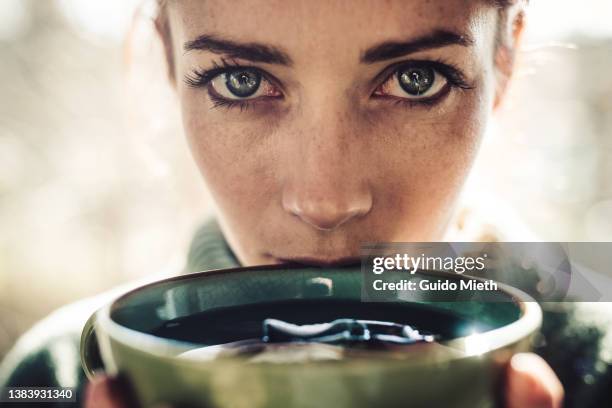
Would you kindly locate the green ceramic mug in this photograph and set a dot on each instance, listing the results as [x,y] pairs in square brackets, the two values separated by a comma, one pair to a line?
[149,334]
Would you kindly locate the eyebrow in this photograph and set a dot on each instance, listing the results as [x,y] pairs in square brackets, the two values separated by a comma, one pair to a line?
[255,52]
[394,49]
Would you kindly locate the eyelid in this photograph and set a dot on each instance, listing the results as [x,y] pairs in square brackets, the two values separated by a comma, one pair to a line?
[450,72]
[201,77]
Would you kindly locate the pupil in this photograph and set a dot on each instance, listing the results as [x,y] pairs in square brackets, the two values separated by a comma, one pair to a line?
[243,83]
[416,81]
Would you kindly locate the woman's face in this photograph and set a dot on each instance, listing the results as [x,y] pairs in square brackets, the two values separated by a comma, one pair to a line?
[321,125]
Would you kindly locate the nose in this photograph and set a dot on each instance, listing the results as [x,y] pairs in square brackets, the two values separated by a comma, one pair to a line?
[323,211]
[327,185]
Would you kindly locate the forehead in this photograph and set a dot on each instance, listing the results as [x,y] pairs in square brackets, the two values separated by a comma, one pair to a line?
[333,25]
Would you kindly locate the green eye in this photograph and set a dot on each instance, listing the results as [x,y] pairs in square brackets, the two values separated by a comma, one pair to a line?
[416,80]
[242,83]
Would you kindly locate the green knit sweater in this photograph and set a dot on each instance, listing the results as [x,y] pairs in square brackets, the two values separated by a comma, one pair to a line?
[48,354]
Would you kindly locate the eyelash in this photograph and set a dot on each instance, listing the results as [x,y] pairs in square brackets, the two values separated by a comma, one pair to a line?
[200,78]
[453,75]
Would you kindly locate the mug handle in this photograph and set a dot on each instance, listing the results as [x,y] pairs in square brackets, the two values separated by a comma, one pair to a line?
[91,361]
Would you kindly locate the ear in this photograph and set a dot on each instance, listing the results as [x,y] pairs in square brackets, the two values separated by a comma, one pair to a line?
[508,43]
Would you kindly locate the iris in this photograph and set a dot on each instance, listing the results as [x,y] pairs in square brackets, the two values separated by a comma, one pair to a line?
[416,80]
[242,83]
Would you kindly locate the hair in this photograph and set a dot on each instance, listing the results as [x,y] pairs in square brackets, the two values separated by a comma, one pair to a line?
[162,26]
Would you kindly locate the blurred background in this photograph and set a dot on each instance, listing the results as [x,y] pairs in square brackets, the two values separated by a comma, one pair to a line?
[97,186]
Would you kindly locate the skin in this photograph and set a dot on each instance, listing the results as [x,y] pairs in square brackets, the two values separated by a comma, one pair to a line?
[332,153]
[369,169]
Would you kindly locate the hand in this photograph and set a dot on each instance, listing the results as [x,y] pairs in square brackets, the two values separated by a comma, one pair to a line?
[531,384]
[107,392]
[101,393]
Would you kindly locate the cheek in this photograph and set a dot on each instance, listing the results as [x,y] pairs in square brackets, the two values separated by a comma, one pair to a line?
[427,156]
[232,154]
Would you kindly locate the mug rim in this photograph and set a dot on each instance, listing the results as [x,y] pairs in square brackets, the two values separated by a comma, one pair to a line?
[529,321]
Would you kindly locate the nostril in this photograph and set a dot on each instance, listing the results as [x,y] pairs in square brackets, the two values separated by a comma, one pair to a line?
[324,214]
[325,222]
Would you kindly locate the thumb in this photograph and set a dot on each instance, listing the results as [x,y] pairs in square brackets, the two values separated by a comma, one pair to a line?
[532,383]
[109,392]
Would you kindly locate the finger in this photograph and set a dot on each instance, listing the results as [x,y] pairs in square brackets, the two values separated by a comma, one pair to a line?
[106,392]
[532,383]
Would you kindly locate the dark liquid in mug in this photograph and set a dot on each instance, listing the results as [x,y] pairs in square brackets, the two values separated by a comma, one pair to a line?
[229,324]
